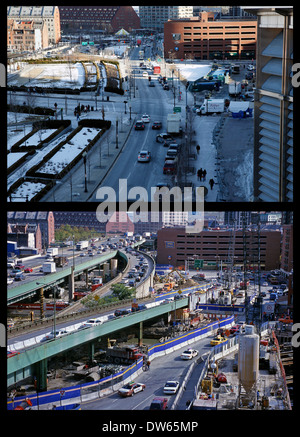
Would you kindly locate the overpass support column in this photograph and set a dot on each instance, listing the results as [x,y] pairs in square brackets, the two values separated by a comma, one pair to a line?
[140,334]
[42,314]
[92,351]
[71,285]
[41,376]
[86,277]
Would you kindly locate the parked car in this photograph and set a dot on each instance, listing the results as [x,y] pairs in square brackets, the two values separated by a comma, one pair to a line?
[171,387]
[131,388]
[163,137]
[189,354]
[144,156]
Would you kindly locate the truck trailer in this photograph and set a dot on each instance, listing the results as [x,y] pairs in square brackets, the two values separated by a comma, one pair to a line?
[173,124]
[52,251]
[211,106]
[82,245]
[234,88]
[49,267]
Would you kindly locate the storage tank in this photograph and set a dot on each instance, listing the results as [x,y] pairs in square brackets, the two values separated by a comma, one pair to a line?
[105,269]
[113,267]
[248,361]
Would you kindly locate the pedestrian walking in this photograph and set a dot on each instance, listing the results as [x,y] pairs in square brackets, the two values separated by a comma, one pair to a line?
[211,183]
[199,174]
[204,174]
[198,149]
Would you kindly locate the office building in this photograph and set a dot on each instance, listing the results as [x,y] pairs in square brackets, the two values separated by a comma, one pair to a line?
[105,18]
[203,37]
[175,247]
[154,17]
[273,106]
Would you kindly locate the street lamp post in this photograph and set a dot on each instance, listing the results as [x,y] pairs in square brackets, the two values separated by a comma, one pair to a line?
[117,134]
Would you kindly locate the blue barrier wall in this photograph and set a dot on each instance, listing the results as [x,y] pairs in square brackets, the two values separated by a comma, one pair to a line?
[56,396]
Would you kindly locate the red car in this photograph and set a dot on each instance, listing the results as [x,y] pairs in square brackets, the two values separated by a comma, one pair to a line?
[28,270]
[234,329]
[159,404]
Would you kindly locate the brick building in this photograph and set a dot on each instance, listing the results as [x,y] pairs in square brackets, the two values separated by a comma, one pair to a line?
[108,18]
[25,235]
[48,14]
[175,246]
[204,38]
[26,35]
[45,220]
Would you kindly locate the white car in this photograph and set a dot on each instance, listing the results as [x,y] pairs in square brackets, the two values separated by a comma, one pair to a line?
[144,156]
[90,323]
[58,333]
[145,118]
[171,387]
[145,73]
[9,281]
[189,354]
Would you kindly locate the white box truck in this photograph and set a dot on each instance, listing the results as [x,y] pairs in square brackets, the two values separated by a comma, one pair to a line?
[82,245]
[49,267]
[173,124]
[234,88]
[52,251]
[211,106]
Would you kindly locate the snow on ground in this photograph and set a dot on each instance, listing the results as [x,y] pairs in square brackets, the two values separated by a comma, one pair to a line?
[14,157]
[69,151]
[192,72]
[27,190]
[54,75]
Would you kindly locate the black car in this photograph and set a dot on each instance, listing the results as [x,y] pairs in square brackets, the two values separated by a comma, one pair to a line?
[166,87]
[119,313]
[139,125]
[157,125]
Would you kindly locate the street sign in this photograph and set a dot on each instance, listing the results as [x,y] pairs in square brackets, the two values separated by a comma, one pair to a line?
[198,263]
[177,109]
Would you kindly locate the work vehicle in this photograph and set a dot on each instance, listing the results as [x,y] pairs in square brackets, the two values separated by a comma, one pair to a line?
[60,261]
[171,387]
[90,323]
[49,267]
[52,251]
[144,156]
[208,85]
[58,333]
[189,354]
[157,125]
[126,354]
[234,88]
[159,404]
[139,125]
[211,106]
[82,245]
[131,388]
[173,124]
[204,404]
[170,166]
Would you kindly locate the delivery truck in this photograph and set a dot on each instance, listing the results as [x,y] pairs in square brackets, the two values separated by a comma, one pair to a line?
[49,267]
[52,251]
[234,88]
[211,106]
[82,245]
[174,124]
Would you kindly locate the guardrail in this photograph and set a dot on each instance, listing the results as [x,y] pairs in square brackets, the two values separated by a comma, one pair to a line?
[110,384]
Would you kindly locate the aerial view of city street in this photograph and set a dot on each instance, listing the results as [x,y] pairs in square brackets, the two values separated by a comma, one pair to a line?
[152,265]
[98,312]
[188,98]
